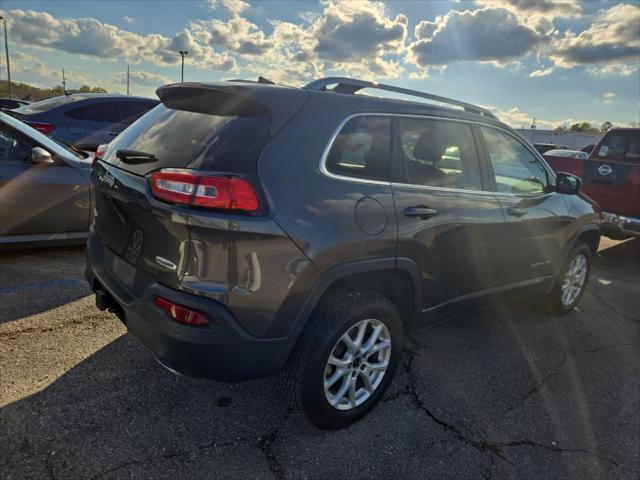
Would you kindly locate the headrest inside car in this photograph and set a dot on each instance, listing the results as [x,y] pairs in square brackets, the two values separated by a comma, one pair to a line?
[428,147]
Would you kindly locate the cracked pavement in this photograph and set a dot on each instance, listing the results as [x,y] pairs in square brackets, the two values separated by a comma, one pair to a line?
[507,392]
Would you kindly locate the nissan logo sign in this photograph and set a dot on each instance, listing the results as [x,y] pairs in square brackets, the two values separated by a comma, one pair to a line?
[604,169]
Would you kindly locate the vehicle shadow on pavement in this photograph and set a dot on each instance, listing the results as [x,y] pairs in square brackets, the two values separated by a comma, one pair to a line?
[37,280]
[508,391]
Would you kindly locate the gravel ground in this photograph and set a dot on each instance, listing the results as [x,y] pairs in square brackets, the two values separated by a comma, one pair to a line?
[508,392]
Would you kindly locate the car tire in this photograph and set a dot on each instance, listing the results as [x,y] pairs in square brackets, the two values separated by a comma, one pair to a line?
[319,381]
[571,281]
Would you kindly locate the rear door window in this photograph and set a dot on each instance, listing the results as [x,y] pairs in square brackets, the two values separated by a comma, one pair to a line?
[185,139]
[362,149]
[439,153]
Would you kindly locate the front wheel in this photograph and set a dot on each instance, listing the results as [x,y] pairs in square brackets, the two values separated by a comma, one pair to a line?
[572,281]
[348,357]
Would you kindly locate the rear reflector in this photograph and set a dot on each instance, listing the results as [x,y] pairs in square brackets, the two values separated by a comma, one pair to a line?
[182,314]
[187,188]
[42,127]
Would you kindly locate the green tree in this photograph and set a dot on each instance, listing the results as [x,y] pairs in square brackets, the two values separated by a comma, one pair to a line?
[560,128]
[582,127]
[606,126]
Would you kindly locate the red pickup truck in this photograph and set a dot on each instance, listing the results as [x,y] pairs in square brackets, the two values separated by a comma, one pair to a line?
[611,177]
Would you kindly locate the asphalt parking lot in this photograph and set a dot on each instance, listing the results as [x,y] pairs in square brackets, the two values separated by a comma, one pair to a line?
[507,392]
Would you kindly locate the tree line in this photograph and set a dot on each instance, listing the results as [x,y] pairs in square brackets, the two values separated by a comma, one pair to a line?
[24,91]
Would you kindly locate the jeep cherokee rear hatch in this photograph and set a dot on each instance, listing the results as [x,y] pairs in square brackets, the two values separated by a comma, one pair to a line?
[196,150]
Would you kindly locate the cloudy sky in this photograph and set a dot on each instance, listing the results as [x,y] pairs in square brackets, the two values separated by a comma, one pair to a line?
[557,61]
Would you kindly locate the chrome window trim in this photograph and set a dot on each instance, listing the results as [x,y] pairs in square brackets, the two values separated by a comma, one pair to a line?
[441,189]
[346,178]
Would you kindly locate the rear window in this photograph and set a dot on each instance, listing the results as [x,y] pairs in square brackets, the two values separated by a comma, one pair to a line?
[185,139]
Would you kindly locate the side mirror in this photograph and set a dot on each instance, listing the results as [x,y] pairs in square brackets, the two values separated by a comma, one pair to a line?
[40,156]
[567,183]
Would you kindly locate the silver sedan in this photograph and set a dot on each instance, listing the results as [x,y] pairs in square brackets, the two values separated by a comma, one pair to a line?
[44,188]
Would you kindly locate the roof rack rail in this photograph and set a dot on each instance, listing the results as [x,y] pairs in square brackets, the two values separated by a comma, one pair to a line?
[352,85]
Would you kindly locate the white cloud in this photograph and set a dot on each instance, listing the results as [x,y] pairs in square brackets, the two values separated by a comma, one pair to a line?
[613,69]
[237,6]
[543,72]
[142,78]
[129,20]
[614,38]
[236,34]
[548,9]
[23,63]
[354,38]
[95,39]
[487,34]
[609,97]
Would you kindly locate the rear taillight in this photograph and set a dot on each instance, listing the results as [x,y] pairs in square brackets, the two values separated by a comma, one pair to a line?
[181,313]
[187,188]
[42,127]
[99,155]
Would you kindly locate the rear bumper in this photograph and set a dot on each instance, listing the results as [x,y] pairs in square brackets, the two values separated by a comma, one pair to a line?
[222,351]
[620,225]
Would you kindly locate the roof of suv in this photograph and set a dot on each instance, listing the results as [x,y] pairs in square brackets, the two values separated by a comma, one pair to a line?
[270,94]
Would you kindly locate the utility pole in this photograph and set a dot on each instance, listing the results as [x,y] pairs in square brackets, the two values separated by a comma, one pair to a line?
[6,49]
[127,79]
[183,53]
[64,84]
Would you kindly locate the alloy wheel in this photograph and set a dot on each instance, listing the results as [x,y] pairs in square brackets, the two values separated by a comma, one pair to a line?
[357,364]
[574,280]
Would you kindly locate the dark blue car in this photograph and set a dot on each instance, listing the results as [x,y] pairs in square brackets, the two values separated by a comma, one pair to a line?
[84,120]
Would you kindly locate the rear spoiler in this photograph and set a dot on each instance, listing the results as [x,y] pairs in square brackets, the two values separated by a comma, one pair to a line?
[229,99]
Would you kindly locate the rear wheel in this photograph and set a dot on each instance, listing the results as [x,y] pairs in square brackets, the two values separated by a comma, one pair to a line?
[348,357]
[572,280]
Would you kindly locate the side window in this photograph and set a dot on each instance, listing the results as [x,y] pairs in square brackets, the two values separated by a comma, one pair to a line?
[14,148]
[88,112]
[362,148]
[438,153]
[516,169]
[109,112]
[633,148]
[612,146]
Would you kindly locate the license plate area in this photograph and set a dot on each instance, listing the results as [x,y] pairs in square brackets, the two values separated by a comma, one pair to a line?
[122,271]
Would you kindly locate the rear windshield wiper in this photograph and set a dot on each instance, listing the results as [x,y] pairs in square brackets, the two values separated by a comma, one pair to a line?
[134,156]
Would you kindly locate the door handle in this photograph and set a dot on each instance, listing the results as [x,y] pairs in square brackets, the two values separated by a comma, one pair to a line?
[516,211]
[422,212]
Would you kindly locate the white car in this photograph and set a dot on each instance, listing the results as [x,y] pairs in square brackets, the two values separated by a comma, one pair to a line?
[568,153]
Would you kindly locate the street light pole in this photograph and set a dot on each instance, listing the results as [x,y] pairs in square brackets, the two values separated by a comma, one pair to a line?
[6,49]
[183,53]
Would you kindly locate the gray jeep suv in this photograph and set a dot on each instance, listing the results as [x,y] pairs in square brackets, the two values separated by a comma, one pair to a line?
[243,227]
